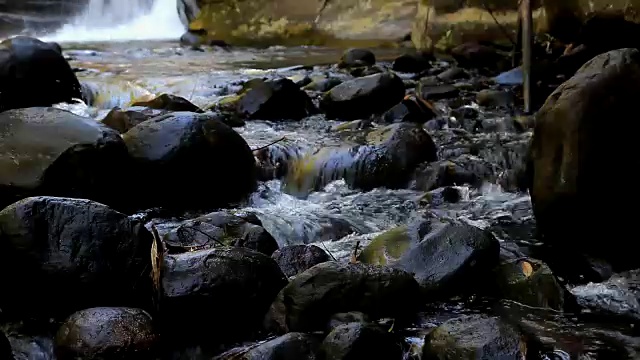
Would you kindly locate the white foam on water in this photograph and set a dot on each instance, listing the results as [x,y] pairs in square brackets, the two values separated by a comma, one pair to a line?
[122,20]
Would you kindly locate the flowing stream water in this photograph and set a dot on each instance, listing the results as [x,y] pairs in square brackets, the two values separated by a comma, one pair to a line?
[110,43]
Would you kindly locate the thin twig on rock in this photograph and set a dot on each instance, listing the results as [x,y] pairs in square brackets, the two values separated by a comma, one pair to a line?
[272,143]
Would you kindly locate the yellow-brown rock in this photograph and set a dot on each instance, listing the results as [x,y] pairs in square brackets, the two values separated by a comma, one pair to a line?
[443,24]
[265,22]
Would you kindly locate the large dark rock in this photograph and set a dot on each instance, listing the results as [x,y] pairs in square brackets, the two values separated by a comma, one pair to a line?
[279,99]
[34,73]
[219,229]
[188,160]
[361,341]
[47,151]
[388,159]
[169,102]
[357,57]
[106,334]
[472,337]
[575,155]
[362,97]
[217,293]
[291,346]
[74,253]
[295,259]
[124,120]
[453,258]
[312,297]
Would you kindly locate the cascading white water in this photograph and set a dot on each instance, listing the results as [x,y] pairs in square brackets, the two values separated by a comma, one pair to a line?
[122,20]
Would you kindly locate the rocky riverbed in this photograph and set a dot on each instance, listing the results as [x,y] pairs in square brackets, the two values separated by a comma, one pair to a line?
[163,202]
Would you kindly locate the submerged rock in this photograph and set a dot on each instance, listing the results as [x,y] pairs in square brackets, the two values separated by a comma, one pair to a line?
[188,160]
[361,341]
[106,333]
[219,229]
[124,120]
[47,151]
[473,337]
[362,97]
[356,58]
[73,253]
[308,302]
[569,148]
[34,73]
[259,99]
[453,258]
[217,294]
[298,258]
[170,103]
[291,346]
[389,158]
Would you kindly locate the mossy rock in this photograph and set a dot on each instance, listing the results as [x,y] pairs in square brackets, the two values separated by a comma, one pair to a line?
[386,247]
[530,282]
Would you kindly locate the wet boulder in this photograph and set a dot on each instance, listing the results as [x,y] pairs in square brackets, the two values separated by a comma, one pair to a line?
[295,259]
[461,170]
[47,151]
[390,156]
[410,109]
[259,99]
[312,297]
[291,346]
[412,63]
[361,341]
[322,85]
[529,282]
[75,253]
[357,58]
[106,333]
[617,298]
[219,293]
[568,152]
[218,229]
[477,56]
[495,98]
[389,246]
[34,73]
[124,120]
[346,318]
[188,160]
[473,337]
[452,259]
[169,102]
[428,90]
[359,98]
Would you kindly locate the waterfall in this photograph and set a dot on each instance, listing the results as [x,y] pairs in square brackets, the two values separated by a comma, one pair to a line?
[122,20]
